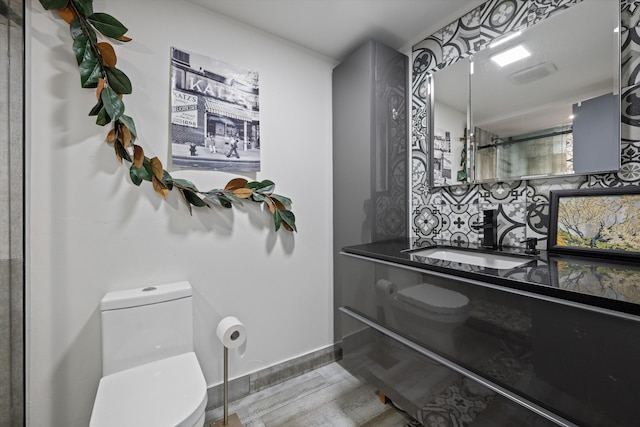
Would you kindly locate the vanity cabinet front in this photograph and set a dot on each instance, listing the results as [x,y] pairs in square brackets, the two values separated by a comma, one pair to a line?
[421,335]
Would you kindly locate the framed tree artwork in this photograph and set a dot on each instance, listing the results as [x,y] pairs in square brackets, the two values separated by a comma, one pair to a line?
[596,222]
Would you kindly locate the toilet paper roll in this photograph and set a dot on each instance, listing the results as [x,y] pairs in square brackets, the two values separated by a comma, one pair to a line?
[231,332]
[387,287]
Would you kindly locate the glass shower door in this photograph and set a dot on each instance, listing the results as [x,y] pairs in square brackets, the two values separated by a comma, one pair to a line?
[11,213]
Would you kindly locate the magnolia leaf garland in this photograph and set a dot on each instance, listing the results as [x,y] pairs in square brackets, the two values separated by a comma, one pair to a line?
[97,66]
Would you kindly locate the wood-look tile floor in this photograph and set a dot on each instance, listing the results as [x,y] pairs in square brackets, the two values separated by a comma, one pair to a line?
[327,396]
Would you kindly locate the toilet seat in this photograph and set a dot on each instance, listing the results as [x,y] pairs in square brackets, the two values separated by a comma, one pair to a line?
[167,392]
[434,299]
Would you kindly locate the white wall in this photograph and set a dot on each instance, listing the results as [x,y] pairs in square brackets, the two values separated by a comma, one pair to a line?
[91,230]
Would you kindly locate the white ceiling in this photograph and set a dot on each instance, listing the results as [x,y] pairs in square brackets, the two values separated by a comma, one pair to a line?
[334,28]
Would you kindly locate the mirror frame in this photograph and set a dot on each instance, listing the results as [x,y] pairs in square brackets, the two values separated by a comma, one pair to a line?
[466,56]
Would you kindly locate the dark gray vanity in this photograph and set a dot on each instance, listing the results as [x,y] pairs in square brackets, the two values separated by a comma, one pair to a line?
[554,340]
[525,339]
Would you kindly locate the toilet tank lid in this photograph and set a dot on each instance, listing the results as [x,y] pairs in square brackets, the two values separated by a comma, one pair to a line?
[144,296]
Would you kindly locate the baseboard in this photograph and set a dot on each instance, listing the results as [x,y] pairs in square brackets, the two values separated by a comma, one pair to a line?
[276,374]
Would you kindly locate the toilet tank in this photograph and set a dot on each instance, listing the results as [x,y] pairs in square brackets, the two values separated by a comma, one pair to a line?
[145,324]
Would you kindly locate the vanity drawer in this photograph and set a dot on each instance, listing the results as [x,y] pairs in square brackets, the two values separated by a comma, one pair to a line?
[426,389]
[574,361]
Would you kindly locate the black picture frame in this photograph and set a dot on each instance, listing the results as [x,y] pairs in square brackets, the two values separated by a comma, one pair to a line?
[595,222]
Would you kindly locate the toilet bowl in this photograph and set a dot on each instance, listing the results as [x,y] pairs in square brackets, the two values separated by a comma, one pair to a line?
[430,313]
[151,375]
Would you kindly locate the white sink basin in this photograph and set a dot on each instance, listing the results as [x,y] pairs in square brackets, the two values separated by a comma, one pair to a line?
[480,259]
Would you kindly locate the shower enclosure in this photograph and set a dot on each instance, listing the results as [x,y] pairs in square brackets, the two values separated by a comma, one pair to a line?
[11,213]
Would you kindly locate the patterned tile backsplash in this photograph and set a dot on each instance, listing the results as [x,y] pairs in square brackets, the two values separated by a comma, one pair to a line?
[523,206]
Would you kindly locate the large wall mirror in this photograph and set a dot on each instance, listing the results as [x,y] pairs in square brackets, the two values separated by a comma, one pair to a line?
[450,118]
[554,111]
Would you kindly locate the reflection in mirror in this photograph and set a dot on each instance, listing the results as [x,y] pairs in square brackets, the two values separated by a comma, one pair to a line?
[556,110]
[449,124]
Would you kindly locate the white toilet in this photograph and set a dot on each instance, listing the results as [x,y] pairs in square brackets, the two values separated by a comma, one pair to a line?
[430,311]
[151,376]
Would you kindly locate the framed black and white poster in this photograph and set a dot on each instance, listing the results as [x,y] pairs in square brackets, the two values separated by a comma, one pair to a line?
[215,114]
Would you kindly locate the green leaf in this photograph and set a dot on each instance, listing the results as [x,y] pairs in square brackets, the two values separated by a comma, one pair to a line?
[107,25]
[77,31]
[133,173]
[277,219]
[128,121]
[103,118]
[266,188]
[284,200]
[185,183]
[112,103]
[233,198]
[193,198]
[141,174]
[96,108]
[224,201]
[228,196]
[75,28]
[167,180]
[289,218]
[82,49]
[118,80]
[85,7]
[218,199]
[186,202]
[146,164]
[257,197]
[53,4]
[212,199]
[122,152]
[90,73]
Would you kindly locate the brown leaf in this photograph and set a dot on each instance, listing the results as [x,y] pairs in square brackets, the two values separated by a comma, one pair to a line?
[107,53]
[111,136]
[125,135]
[235,183]
[156,167]
[100,87]
[116,148]
[160,188]
[125,39]
[242,193]
[270,205]
[138,156]
[279,204]
[67,14]
[286,226]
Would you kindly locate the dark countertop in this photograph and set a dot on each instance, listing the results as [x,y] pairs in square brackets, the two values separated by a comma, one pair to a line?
[599,282]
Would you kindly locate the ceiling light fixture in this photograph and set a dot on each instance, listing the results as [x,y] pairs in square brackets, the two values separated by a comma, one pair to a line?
[504,39]
[510,55]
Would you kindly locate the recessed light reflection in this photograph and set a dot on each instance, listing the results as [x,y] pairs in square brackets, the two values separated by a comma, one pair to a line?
[509,56]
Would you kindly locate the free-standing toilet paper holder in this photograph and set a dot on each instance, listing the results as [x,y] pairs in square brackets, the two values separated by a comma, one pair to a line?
[227,420]
[230,332]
